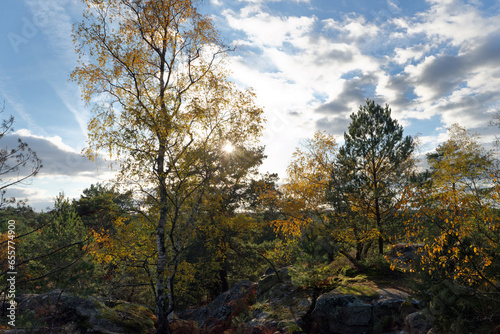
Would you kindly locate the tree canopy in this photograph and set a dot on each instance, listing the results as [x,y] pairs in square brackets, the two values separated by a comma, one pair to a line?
[163,109]
[372,167]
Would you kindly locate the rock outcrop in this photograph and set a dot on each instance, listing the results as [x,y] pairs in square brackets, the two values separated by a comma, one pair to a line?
[59,312]
[221,308]
[280,304]
[417,323]
[338,313]
[272,305]
[285,308]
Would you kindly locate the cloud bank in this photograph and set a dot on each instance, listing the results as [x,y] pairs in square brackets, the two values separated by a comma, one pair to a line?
[64,170]
[437,61]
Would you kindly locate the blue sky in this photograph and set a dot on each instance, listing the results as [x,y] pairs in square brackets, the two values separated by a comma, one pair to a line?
[310,62]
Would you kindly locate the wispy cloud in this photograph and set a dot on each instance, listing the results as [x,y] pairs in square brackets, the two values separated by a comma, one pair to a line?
[10,96]
[55,21]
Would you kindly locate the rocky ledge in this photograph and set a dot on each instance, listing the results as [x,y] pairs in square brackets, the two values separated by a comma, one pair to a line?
[275,305]
[272,305]
[59,312]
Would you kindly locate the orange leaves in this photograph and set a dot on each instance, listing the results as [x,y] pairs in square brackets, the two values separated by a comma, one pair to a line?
[150,62]
[305,188]
[133,241]
[303,201]
[303,194]
[460,164]
[456,212]
[290,228]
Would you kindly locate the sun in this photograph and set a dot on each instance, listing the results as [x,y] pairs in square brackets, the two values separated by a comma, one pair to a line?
[228,148]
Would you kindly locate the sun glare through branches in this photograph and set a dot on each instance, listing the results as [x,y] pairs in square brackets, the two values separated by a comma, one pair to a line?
[228,148]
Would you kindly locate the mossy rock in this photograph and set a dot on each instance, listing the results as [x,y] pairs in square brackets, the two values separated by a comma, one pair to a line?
[132,318]
[283,306]
[61,310]
[272,286]
[365,290]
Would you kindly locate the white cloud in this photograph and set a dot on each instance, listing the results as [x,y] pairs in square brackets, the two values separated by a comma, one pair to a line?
[357,28]
[58,159]
[352,29]
[314,65]
[263,29]
[55,140]
[37,198]
[393,7]
[443,61]
[296,65]
[411,53]
[40,192]
[453,21]
[459,87]
[64,170]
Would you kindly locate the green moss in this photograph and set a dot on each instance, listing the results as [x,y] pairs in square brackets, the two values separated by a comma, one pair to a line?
[131,317]
[364,289]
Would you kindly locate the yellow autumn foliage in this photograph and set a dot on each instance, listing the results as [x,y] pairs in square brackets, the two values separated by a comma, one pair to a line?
[455,215]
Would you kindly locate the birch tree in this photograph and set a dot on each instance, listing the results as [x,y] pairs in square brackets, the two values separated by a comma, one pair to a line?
[162,108]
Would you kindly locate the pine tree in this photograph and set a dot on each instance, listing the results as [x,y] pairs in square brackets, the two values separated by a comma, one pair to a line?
[372,168]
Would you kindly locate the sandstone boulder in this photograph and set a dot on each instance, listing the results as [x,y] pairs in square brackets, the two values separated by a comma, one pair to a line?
[220,308]
[339,313]
[418,323]
[280,304]
[59,312]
